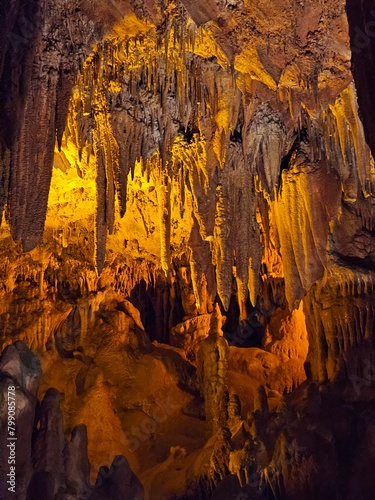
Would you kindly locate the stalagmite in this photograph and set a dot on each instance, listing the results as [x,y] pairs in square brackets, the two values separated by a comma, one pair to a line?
[212,372]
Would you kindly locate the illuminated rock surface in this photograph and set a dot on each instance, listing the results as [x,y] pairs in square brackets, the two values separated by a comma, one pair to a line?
[162,166]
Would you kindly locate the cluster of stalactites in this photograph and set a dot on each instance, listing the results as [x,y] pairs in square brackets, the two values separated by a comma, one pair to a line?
[342,141]
[177,112]
[341,318]
[133,100]
[329,163]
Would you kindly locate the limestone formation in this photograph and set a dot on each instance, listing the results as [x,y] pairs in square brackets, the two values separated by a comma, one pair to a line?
[187,248]
[47,464]
[212,372]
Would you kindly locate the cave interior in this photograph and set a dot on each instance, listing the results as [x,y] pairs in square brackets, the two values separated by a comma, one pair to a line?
[187,249]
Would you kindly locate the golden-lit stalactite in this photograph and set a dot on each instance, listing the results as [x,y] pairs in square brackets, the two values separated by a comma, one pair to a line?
[302,213]
[269,285]
[101,207]
[165,223]
[235,208]
[266,149]
[249,63]
[223,250]
[356,166]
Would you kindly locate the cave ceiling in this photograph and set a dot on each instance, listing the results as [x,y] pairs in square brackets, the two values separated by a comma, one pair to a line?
[200,99]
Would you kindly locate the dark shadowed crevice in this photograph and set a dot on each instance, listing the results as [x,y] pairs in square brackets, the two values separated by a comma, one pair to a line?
[361,18]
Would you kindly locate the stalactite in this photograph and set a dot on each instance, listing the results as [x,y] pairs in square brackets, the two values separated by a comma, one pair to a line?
[64,92]
[238,191]
[201,268]
[109,153]
[164,202]
[265,146]
[302,223]
[31,165]
[4,177]
[223,252]
[101,221]
[40,95]
[122,167]
[336,344]
[344,143]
